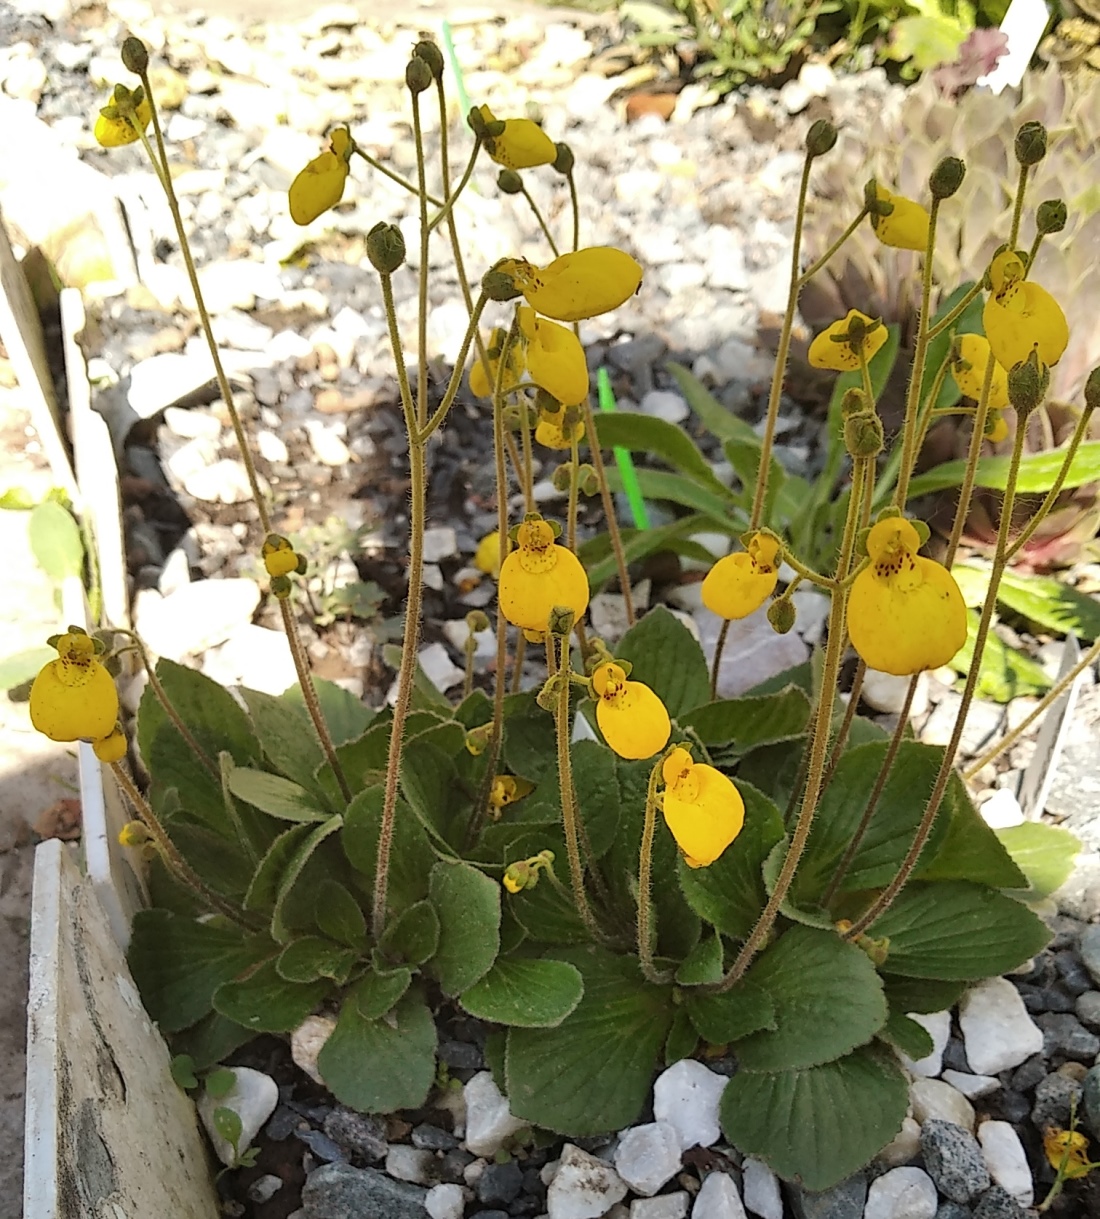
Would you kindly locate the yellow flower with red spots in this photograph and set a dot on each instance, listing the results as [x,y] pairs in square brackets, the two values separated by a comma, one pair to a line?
[739,584]
[1020,315]
[539,576]
[74,698]
[702,808]
[633,720]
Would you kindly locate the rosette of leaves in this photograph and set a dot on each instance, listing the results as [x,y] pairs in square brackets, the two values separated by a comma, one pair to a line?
[577,1032]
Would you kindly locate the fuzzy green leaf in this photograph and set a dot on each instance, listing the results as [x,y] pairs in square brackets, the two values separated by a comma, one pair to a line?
[413,935]
[346,717]
[969,850]
[703,963]
[750,722]
[1004,673]
[1037,472]
[1044,853]
[378,990]
[668,659]
[468,905]
[267,1003]
[55,539]
[736,1013]
[411,858]
[339,915]
[922,995]
[274,795]
[287,738]
[311,958]
[296,865]
[524,993]
[907,1035]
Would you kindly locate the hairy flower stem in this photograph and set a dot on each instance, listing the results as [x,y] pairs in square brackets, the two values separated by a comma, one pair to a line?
[970,473]
[883,902]
[309,695]
[719,648]
[422,277]
[1018,208]
[574,488]
[173,860]
[445,212]
[916,372]
[819,743]
[576,211]
[949,319]
[541,221]
[841,738]
[1055,692]
[645,872]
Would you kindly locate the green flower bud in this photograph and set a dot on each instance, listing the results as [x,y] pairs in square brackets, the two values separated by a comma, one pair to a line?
[1050,216]
[560,621]
[821,138]
[781,614]
[1092,390]
[477,620]
[385,247]
[509,182]
[947,177]
[565,160]
[1027,383]
[1031,143]
[499,285]
[872,203]
[431,55]
[587,482]
[475,122]
[854,402]
[863,434]
[281,587]
[135,56]
[418,75]
[562,477]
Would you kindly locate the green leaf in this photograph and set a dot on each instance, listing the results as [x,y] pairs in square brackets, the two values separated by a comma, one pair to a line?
[730,893]
[411,857]
[750,722]
[820,1124]
[969,850]
[957,930]
[682,1038]
[907,1035]
[178,963]
[211,1040]
[593,1072]
[266,1003]
[339,915]
[227,1122]
[468,905]
[525,993]
[719,420]
[312,958]
[922,995]
[287,737]
[1044,853]
[264,888]
[596,785]
[379,1066]
[346,717]
[379,990]
[645,434]
[1004,673]
[274,795]
[739,1012]
[414,935]
[679,489]
[828,1000]
[928,41]
[668,659]
[22,667]
[1051,604]
[56,542]
[703,963]
[182,1068]
[547,915]
[296,865]
[600,562]
[1037,472]
[431,786]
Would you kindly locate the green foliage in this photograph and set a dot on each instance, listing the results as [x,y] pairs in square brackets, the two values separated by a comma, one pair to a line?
[56,541]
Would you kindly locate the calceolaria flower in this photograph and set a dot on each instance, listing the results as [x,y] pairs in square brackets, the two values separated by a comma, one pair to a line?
[1071,1145]
[487,555]
[905,227]
[838,346]
[968,366]
[73,698]
[321,184]
[740,583]
[1019,315]
[521,145]
[483,380]
[506,789]
[124,117]
[633,720]
[111,748]
[702,808]
[996,427]
[575,286]
[558,428]
[905,612]
[280,558]
[555,357]
[524,873]
[539,576]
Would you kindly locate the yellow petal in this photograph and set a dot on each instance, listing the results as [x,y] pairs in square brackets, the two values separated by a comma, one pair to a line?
[737,585]
[906,228]
[705,815]
[555,358]
[1023,316]
[522,145]
[114,132]
[631,717]
[112,748]
[483,380]
[318,187]
[487,555]
[73,700]
[579,285]
[997,428]
[550,431]
[975,351]
[840,356]
[536,578]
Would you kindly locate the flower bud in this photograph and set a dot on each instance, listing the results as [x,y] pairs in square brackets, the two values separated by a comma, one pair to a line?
[477,620]
[1092,390]
[1050,216]
[947,177]
[418,75]
[871,201]
[821,138]
[385,247]
[281,587]
[562,477]
[781,614]
[499,285]
[1031,143]
[587,482]
[476,122]
[854,402]
[513,417]
[477,739]
[863,434]
[509,182]
[134,834]
[547,697]
[1027,383]
[135,56]
[431,55]
[560,621]
[565,160]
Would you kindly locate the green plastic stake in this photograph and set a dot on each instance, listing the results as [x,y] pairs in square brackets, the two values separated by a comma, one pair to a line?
[456,68]
[623,459]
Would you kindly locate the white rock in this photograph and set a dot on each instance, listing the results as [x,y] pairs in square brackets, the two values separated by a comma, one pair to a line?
[648,1156]
[686,1095]
[445,1202]
[488,1119]
[934,1098]
[903,1147]
[996,1028]
[1006,1161]
[175,573]
[902,1193]
[667,1206]
[938,1027]
[457,633]
[272,448]
[583,1187]
[971,1086]
[665,404]
[192,423]
[308,1040]
[718,1199]
[195,455]
[196,616]
[438,667]
[327,445]
[1002,810]
[252,656]
[439,543]
[253,1098]
[164,379]
[885,692]
[761,1186]
[406,1163]
[225,482]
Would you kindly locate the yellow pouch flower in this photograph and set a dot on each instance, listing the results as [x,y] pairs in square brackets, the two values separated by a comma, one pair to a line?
[740,583]
[487,555]
[280,558]
[539,575]
[905,612]
[555,358]
[968,369]
[553,432]
[522,145]
[906,227]
[74,698]
[837,347]
[115,127]
[702,808]
[112,748]
[996,428]
[483,380]
[578,285]
[1020,315]
[321,184]
[633,720]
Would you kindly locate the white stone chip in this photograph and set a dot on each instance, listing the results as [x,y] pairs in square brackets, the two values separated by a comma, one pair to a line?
[938,1027]
[667,1206]
[196,616]
[1005,1158]
[973,1087]
[761,1187]
[718,1199]
[686,1095]
[405,1163]
[648,1156]
[996,1028]
[440,543]
[902,1193]
[903,1147]
[253,1098]
[583,1187]
[308,1040]
[488,1119]
[934,1098]
[445,1202]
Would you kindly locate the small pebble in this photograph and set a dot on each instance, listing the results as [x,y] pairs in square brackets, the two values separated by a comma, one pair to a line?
[902,1193]
[1089,948]
[997,1203]
[1064,1036]
[718,1199]
[953,1159]
[996,1028]
[432,1138]
[324,1148]
[1006,1160]
[932,1098]
[412,1164]
[1054,1097]
[1087,1009]
[686,1095]
[972,1086]
[499,1183]
[445,1201]
[667,1206]
[264,1188]
[360,1136]
[583,1187]
[1075,977]
[453,1165]
[761,1188]
[648,1156]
